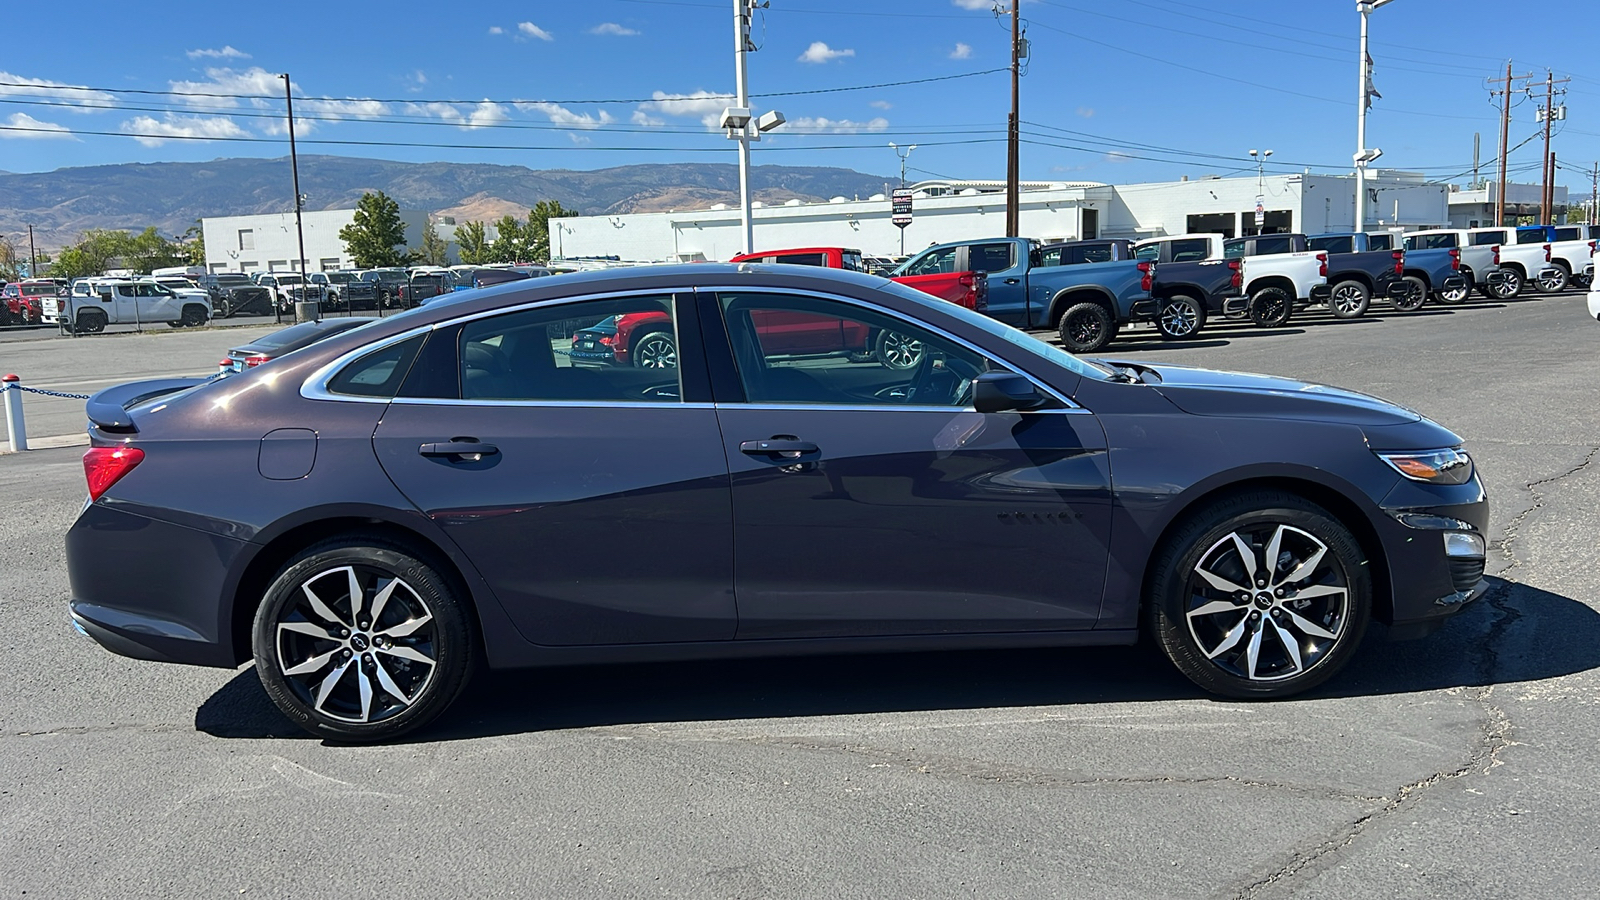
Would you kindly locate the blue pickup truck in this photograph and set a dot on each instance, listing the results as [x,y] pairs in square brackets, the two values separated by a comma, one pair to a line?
[1087,303]
[1433,265]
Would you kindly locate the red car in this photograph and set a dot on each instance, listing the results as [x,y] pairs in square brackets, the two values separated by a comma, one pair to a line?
[645,339]
[25,301]
[969,289]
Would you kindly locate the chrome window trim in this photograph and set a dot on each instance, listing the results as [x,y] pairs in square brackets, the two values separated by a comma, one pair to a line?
[553,404]
[842,407]
[315,387]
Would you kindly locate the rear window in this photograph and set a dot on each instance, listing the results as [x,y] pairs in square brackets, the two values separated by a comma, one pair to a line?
[1271,246]
[1380,242]
[1485,238]
[1531,237]
[379,373]
[289,335]
[802,259]
[1199,250]
[1338,244]
[1430,241]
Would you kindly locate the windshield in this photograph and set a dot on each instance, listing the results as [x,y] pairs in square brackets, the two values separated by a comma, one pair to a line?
[288,279]
[389,276]
[232,279]
[340,277]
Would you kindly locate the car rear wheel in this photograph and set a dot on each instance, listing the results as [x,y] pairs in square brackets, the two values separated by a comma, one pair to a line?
[1180,317]
[1453,296]
[1349,300]
[360,640]
[1262,595]
[1416,294]
[92,321]
[1508,289]
[1271,307]
[1554,280]
[656,350]
[1086,327]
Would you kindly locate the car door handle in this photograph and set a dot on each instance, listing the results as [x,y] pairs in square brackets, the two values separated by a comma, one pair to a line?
[463,449]
[1013,281]
[778,448]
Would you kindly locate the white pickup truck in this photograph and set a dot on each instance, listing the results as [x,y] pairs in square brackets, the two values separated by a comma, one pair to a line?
[94,304]
[1523,254]
[1572,251]
[1480,259]
[1279,272]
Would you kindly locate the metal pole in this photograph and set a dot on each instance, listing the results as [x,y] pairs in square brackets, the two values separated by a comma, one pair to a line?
[1361,121]
[16,429]
[1505,137]
[294,166]
[33,257]
[1013,133]
[741,37]
[1549,111]
[1594,194]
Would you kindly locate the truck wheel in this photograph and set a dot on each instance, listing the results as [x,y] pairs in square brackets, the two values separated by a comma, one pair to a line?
[1085,327]
[92,321]
[224,308]
[1509,289]
[1349,300]
[1271,307]
[1416,295]
[1453,296]
[193,317]
[1554,279]
[1180,317]
[897,351]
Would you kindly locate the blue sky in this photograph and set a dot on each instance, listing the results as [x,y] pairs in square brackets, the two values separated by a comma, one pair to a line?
[1136,90]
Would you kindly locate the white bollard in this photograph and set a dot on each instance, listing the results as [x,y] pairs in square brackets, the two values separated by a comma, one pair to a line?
[16,429]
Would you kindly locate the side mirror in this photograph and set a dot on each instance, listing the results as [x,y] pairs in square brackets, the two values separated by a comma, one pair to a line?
[1005,392]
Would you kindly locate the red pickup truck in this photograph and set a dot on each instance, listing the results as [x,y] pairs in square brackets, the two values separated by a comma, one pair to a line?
[24,303]
[969,289]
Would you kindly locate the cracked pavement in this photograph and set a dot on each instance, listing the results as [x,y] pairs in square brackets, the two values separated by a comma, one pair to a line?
[1458,765]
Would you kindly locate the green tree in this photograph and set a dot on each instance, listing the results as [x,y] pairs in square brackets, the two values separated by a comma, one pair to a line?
[538,230]
[9,260]
[511,243]
[148,251]
[472,243]
[434,250]
[376,236]
[93,253]
[193,244]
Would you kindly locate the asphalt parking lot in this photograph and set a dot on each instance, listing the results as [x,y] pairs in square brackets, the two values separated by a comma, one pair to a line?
[1459,765]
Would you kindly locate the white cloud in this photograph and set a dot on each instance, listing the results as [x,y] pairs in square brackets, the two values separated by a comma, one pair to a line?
[485,113]
[496,29]
[415,81]
[1116,156]
[48,131]
[263,90]
[705,105]
[822,125]
[20,86]
[613,29]
[974,4]
[819,52]
[155,132]
[227,52]
[962,51]
[532,30]
[881,104]
[640,117]
[1086,112]
[560,115]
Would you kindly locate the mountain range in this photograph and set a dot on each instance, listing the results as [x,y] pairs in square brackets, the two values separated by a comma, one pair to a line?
[171,196]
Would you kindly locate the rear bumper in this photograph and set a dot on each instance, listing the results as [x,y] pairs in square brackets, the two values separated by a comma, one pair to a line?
[1397,290]
[1145,309]
[1594,305]
[1321,293]
[1453,283]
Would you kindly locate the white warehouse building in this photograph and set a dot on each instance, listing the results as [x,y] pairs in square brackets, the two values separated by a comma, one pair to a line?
[268,243]
[962,210]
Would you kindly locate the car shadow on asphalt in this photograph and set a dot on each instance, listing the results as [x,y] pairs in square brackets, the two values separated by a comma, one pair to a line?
[1462,654]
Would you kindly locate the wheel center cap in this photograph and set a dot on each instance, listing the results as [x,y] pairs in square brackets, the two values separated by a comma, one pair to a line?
[1263,600]
[358,642]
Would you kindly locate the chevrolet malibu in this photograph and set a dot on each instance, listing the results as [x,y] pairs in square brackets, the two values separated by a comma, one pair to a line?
[447,486]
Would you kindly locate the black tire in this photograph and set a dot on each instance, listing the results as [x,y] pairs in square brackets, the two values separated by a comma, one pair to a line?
[897,351]
[1308,628]
[654,350]
[1180,317]
[1554,279]
[1271,307]
[1085,327]
[1510,288]
[1349,300]
[1416,295]
[1459,295]
[193,317]
[408,664]
[91,321]
[174,323]
[223,308]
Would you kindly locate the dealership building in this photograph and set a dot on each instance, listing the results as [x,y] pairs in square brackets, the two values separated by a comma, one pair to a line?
[268,243]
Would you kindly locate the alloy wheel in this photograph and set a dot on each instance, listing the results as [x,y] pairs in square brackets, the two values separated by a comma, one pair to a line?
[900,351]
[1267,602]
[1552,280]
[656,351]
[1349,300]
[357,644]
[1178,319]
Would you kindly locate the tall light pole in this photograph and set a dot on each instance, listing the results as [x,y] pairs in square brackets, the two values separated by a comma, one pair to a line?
[736,121]
[299,198]
[1364,100]
[1261,185]
[902,152]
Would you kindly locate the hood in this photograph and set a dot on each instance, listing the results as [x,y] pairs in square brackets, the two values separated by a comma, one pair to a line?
[1207,392]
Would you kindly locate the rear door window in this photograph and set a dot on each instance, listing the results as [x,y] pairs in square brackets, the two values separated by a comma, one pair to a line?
[936,262]
[1531,237]
[989,257]
[1380,242]
[802,259]
[1336,244]
[1273,246]
[1199,249]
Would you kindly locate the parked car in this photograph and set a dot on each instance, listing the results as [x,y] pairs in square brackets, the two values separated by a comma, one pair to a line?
[284,287]
[386,283]
[180,285]
[1434,260]
[1571,250]
[826,257]
[441,488]
[124,302]
[1086,304]
[425,286]
[1278,273]
[27,305]
[935,275]
[1521,256]
[285,341]
[1362,266]
[233,293]
[1479,260]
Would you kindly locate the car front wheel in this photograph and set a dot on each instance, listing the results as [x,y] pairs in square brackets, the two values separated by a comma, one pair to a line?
[361,640]
[1263,595]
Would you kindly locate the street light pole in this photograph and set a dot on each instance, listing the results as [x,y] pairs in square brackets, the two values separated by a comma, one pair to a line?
[1364,100]
[736,120]
[299,199]
[902,153]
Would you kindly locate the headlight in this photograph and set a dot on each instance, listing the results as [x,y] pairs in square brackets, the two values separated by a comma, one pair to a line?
[1450,466]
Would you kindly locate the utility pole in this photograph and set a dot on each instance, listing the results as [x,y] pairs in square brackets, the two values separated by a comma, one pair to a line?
[1475,144]
[33,256]
[736,122]
[1547,194]
[1594,194]
[299,199]
[1364,96]
[1504,94]
[1013,129]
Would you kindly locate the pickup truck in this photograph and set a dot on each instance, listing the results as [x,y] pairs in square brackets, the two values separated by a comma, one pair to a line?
[424,286]
[26,305]
[232,294]
[1087,304]
[1277,273]
[1478,263]
[1433,264]
[1362,266]
[386,284]
[937,275]
[1523,254]
[123,302]
[1183,295]
[1571,253]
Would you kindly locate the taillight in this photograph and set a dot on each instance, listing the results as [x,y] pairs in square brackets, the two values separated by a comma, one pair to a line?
[250,362]
[1546,252]
[1497,254]
[1455,259]
[1592,245]
[1322,264]
[1399,262]
[105,466]
[969,297]
[1236,266]
[1146,269]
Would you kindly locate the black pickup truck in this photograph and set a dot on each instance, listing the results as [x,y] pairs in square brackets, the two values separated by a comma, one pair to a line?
[1188,288]
[1362,266]
[232,294]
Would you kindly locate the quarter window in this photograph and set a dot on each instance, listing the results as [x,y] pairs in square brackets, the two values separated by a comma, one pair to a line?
[808,350]
[614,350]
[379,373]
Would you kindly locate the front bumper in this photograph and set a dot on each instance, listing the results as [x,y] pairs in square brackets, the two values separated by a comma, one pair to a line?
[1434,541]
